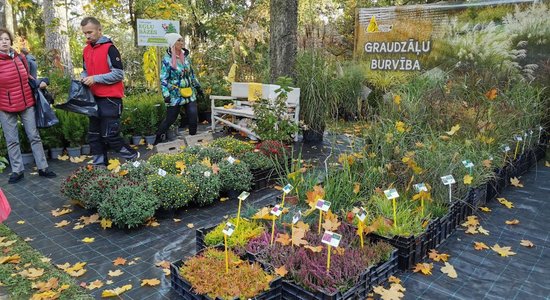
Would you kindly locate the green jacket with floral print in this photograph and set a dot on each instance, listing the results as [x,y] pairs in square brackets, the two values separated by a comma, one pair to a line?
[172,80]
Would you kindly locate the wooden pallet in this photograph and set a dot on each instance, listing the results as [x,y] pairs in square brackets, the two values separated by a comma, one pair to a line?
[186,141]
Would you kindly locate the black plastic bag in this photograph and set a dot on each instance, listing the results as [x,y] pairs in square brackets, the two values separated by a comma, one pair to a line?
[44,114]
[80,100]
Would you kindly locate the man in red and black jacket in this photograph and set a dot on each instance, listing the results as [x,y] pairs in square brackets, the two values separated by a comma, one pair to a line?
[103,73]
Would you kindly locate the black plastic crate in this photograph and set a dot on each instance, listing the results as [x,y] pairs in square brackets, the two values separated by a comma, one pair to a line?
[410,250]
[478,196]
[184,289]
[292,291]
[379,274]
[539,152]
[262,178]
[200,234]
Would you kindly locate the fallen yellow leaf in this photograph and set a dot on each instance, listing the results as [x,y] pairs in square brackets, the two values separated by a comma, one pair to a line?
[59,212]
[116,292]
[32,273]
[150,282]
[425,268]
[480,246]
[62,224]
[483,230]
[106,223]
[190,225]
[505,202]
[449,270]
[484,209]
[115,273]
[394,279]
[119,261]
[20,222]
[503,251]
[94,285]
[281,271]
[88,240]
[176,220]
[434,255]
[515,182]
[512,222]
[527,243]
[454,129]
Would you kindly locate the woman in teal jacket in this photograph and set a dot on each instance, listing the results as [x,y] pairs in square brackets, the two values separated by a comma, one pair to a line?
[179,86]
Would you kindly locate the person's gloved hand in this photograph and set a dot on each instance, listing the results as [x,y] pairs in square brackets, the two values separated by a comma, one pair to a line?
[167,99]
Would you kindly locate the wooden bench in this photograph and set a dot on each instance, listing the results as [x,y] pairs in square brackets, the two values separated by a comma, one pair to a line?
[242,107]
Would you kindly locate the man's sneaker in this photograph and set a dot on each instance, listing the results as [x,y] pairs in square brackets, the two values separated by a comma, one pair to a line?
[46,173]
[16,177]
[129,155]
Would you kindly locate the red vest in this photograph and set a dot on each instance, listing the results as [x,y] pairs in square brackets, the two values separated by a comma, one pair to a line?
[15,92]
[95,59]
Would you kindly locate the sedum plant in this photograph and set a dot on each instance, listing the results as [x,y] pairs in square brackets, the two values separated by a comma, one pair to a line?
[244,280]
[247,230]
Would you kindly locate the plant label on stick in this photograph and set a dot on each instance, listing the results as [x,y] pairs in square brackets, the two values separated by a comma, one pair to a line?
[420,187]
[136,164]
[518,137]
[449,180]
[506,148]
[331,238]
[161,172]
[228,229]
[361,214]
[287,188]
[297,216]
[231,160]
[276,210]
[468,163]
[322,205]
[391,194]
[243,196]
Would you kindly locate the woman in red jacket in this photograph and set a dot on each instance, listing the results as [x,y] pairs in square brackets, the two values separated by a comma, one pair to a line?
[17,100]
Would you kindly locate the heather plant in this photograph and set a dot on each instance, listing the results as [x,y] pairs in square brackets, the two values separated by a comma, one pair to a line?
[73,186]
[208,183]
[308,268]
[273,149]
[244,280]
[173,191]
[247,230]
[256,160]
[129,206]
[232,145]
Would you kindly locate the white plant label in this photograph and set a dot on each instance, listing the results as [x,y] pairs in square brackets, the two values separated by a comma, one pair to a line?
[420,187]
[228,229]
[361,214]
[243,195]
[468,163]
[136,164]
[287,188]
[331,238]
[161,172]
[391,194]
[276,210]
[448,179]
[297,216]
[322,205]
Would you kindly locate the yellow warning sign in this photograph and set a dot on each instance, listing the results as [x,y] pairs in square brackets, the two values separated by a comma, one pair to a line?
[373,25]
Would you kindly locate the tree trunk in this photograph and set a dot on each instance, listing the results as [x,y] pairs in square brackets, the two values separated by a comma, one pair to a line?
[6,15]
[57,41]
[283,37]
